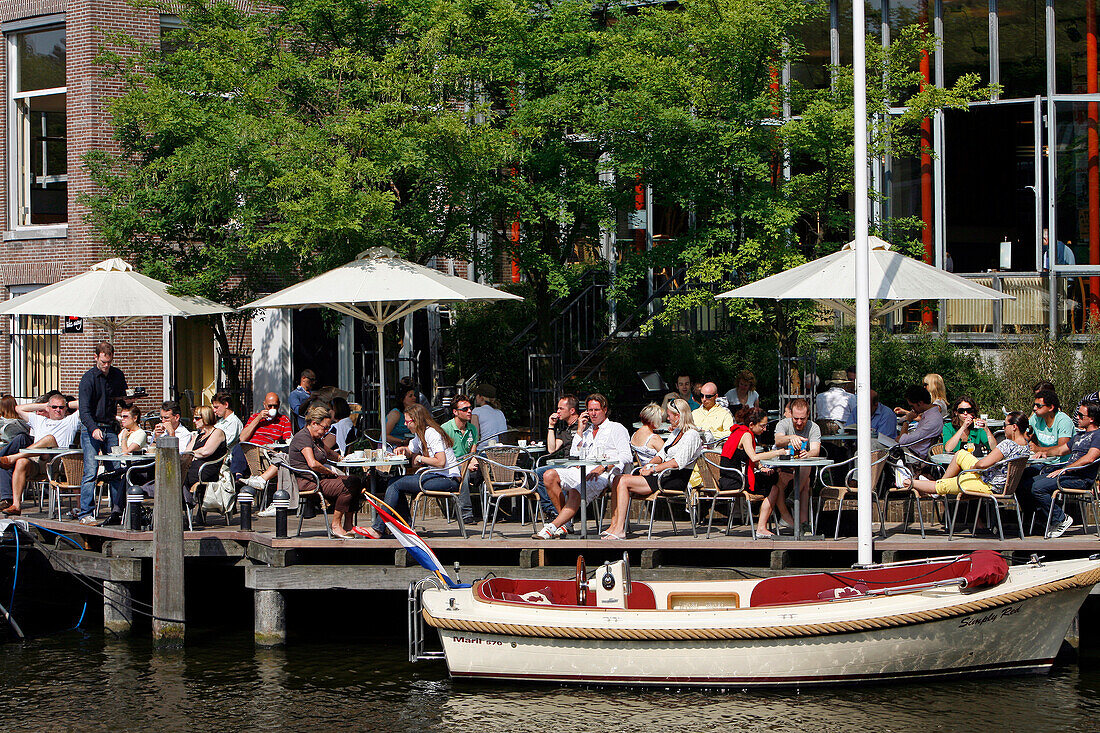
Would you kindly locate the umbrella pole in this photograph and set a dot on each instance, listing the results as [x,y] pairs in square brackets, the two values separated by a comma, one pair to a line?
[381,388]
[863,320]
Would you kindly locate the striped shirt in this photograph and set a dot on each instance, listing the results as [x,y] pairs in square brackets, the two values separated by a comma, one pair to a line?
[271,431]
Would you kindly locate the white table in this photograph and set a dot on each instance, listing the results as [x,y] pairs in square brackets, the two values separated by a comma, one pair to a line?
[373,463]
[48,451]
[942,459]
[819,462]
[583,464]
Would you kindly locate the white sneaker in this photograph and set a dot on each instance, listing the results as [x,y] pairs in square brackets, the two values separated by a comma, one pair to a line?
[903,477]
[1061,528]
[548,532]
[268,512]
[255,482]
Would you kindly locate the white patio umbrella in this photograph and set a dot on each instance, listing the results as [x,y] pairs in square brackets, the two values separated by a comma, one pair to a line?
[378,287]
[863,270]
[110,294]
[893,277]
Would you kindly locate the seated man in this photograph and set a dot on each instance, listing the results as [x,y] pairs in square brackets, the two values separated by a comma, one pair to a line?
[52,426]
[463,434]
[804,435]
[710,416]
[1051,429]
[837,403]
[263,428]
[883,419]
[597,436]
[929,428]
[228,422]
[1080,471]
[560,432]
[169,425]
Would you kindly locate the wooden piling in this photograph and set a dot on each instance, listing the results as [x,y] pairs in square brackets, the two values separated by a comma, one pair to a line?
[168,590]
[270,627]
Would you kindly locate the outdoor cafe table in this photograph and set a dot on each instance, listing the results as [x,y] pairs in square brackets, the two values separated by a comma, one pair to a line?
[47,451]
[582,464]
[372,463]
[819,462]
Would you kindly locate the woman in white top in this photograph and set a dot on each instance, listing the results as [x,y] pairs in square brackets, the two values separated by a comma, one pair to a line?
[132,439]
[744,393]
[488,417]
[342,427]
[431,449]
[645,442]
[678,456]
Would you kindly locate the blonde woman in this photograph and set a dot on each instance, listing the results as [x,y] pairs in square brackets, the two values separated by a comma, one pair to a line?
[679,453]
[645,440]
[209,444]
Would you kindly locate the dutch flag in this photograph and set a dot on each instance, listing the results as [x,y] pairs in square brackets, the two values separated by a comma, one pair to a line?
[411,541]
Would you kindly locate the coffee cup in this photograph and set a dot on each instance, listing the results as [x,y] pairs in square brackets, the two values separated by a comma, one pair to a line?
[522,443]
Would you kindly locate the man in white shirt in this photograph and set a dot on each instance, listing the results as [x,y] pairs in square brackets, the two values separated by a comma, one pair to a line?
[228,422]
[170,425]
[596,438]
[837,403]
[51,427]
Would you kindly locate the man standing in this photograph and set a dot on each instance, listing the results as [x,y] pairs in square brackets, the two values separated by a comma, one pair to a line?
[51,427]
[102,390]
[598,436]
[300,394]
[228,422]
[1051,428]
[1080,472]
[560,431]
[929,428]
[464,436]
[798,432]
[683,390]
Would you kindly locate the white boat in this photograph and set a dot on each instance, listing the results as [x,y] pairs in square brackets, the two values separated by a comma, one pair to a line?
[945,617]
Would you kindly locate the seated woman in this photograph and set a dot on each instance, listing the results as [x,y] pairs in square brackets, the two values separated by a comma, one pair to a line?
[430,448]
[645,440]
[993,478]
[343,431]
[132,439]
[307,450]
[209,447]
[739,451]
[397,432]
[744,394]
[679,453]
[965,427]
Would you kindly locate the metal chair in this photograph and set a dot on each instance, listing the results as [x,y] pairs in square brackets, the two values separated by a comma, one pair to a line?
[1004,498]
[444,498]
[712,471]
[305,495]
[209,473]
[136,475]
[503,479]
[671,495]
[913,499]
[849,490]
[1078,496]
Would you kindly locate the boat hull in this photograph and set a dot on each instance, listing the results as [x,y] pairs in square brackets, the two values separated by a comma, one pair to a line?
[1019,636]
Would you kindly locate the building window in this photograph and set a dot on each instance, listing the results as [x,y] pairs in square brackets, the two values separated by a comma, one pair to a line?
[40,178]
[35,351]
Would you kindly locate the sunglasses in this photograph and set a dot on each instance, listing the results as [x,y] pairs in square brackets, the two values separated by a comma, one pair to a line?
[467,408]
[708,396]
[1038,406]
[968,410]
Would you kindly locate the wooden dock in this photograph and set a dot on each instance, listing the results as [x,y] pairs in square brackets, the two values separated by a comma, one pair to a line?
[270,567]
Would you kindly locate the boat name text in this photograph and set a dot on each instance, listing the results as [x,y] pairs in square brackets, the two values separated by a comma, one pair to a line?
[988,617]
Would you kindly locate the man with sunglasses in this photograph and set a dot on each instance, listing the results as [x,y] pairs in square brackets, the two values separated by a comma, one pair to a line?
[1051,428]
[1083,450]
[464,435]
[51,427]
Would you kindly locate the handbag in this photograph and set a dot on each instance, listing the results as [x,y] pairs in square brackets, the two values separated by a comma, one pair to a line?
[221,494]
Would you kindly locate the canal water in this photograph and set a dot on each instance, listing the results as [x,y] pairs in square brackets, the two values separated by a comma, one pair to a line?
[78,681]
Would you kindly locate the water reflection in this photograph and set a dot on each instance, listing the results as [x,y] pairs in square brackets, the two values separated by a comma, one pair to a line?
[79,681]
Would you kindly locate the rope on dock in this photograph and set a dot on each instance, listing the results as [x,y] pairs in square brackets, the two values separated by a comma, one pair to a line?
[1081,580]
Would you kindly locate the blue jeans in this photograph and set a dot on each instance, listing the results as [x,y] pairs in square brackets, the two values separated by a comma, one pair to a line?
[398,490]
[548,509]
[16,444]
[1043,487]
[92,448]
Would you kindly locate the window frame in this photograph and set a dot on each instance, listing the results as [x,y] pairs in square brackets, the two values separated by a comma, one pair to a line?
[19,131]
[18,351]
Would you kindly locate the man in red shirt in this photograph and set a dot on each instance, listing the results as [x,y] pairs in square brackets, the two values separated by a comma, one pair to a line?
[263,428]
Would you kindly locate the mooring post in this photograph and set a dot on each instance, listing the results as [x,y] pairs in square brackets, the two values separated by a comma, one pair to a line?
[168,595]
[270,628]
[118,607]
[134,497]
[281,502]
[244,504]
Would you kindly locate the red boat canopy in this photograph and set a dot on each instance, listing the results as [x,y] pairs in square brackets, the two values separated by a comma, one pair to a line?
[986,568]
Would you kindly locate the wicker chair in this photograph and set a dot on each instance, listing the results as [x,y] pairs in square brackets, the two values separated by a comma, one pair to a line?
[848,490]
[711,470]
[1006,497]
[503,479]
[64,474]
